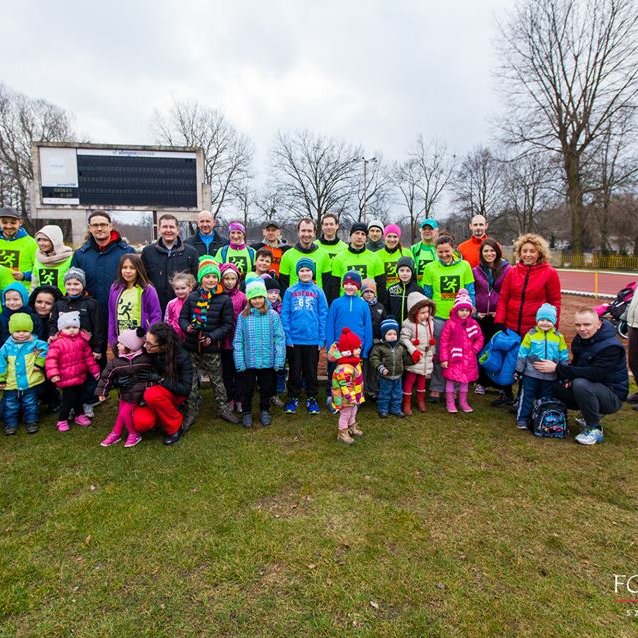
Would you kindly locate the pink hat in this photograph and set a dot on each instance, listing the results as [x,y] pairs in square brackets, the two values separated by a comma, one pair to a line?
[463,300]
[237,226]
[392,228]
[133,338]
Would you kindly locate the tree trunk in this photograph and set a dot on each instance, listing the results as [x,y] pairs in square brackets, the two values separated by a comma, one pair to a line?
[574,200]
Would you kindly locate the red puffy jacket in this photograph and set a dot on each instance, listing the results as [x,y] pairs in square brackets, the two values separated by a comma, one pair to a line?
[71,359]
[524,290]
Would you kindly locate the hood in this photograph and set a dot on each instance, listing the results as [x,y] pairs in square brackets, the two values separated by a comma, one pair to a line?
[113,239]
[416,300]
[20,288]
[52,290]
[60,251]
[19,235]
[505,340]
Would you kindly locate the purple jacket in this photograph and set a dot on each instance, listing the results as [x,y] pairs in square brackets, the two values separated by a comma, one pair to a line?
[151,310]
[486,295]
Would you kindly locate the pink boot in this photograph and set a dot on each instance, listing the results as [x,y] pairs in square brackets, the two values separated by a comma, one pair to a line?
[463,404]
[82,420]
[449,402]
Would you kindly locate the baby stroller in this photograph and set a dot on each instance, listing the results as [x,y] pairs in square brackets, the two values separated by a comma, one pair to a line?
[616,310]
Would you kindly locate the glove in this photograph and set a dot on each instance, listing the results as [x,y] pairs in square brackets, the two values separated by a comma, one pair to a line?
[126,382]
[416,356]
[149,375]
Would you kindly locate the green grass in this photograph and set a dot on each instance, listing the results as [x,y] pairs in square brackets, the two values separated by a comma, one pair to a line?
[430,526]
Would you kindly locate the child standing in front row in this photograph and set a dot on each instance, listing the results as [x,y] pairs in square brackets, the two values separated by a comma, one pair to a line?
[541,342]
[68,364]
[347,385]
[274,297]
[461,341]
[182,284]
[21,372]
[259,349]
[418,337]
[131,360]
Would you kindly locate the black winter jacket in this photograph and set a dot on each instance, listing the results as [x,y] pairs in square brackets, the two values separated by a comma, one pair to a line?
[161,264]
[219,322]
[196,242]
[123,367]
[181,386]
[91,318]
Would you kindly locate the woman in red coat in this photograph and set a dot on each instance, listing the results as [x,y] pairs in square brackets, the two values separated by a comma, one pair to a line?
[527,286]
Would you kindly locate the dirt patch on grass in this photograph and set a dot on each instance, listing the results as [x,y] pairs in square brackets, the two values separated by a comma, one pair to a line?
[287,504]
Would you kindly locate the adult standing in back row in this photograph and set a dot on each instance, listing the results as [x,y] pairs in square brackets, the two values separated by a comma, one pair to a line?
[167,256]
[206,241]
[471,247]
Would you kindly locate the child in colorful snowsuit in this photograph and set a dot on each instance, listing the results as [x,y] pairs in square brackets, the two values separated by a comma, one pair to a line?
[347,384]
[388,359]
[541,342]
[259,349]
[122,371]
[418,337]
[461,341]
[22,359]
[68,364]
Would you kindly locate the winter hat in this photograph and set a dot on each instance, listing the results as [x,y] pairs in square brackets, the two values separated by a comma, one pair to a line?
[20,322]
[352,277]
[547,311]
[255,287]
[376,223]
[228,266]
[348,341]
[133,339]
[358,226]
[388,324]
[369,284]
[305,262]
[406,261]
[69,320]
[207,266]
[237,226]
[463,300]
[53,234]
[392,228]
[75,273]
[432,223]
[271,283]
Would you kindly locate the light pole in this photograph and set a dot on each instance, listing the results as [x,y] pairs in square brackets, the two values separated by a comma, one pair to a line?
[365,184]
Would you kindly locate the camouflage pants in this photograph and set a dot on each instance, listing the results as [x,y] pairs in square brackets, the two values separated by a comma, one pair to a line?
[211,365]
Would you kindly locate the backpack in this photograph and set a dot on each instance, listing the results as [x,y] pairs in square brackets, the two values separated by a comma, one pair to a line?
[549,419]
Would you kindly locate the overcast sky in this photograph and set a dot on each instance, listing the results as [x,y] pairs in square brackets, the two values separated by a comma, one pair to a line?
[376,73]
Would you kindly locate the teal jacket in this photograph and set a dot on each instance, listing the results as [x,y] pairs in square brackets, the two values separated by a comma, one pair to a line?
[540,344]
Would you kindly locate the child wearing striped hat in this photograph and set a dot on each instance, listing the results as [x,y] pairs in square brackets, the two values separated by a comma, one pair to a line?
[259,350]
[461,341]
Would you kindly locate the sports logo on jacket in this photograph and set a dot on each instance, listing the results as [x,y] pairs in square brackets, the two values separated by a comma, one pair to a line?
[9,258]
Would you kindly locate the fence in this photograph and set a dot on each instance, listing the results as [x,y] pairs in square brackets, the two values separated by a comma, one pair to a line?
[591,261]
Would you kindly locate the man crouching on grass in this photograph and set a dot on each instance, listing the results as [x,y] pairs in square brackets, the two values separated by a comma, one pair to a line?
[596,381]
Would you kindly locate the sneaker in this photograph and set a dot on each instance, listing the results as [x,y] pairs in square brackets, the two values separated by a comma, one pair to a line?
[354,430]
[265,418]
[111,439]
[383,415]
[398,415]
[10,430]
[479,389]
[228,415]
[344,437]
[590,436]
[581,423]
[247,420]
[31,428]
[132,439]
[276,401]
[62,426]
[82,420]
[312,406]
[331,407]
[88,410]
[171,439]
[291,406]
[521,425]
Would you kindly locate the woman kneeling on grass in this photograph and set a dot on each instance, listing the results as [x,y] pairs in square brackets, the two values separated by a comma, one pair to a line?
[172,377]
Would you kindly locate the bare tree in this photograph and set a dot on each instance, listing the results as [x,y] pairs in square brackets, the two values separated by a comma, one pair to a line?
[372,191]
[228,153]
[568,67]
[24,120]
[478,184]
[314,174]
[271,204]
[244,196]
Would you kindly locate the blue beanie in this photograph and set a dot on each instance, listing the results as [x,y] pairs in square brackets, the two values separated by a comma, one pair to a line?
[388,324]
[546,311]
[352,277]
[306,262]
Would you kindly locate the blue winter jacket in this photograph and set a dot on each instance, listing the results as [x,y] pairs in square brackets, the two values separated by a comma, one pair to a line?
[22,364]
[304,312]
[259,341]
[100,267]
[498,357]
[354,313]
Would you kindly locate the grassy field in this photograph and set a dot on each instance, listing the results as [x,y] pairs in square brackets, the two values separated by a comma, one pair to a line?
[436,525]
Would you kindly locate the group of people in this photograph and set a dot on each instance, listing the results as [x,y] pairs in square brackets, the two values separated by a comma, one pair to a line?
[395,321]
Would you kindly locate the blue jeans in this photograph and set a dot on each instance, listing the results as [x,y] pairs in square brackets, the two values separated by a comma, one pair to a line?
[390,396]
[530,390]
[15,400]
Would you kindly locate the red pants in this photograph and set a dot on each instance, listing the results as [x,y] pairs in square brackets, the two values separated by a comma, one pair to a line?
[160,409]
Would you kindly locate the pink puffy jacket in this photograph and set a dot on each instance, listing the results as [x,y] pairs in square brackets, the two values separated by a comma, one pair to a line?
[71,359]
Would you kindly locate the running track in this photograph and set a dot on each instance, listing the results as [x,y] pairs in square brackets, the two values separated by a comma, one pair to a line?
[583,282]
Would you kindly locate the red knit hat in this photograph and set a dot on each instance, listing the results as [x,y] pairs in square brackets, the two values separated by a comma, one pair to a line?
[348,341]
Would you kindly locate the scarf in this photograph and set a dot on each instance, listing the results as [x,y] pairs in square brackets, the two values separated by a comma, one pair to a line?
[372,302]
[198,320]
[54,258]
[460,326]
[237,246]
